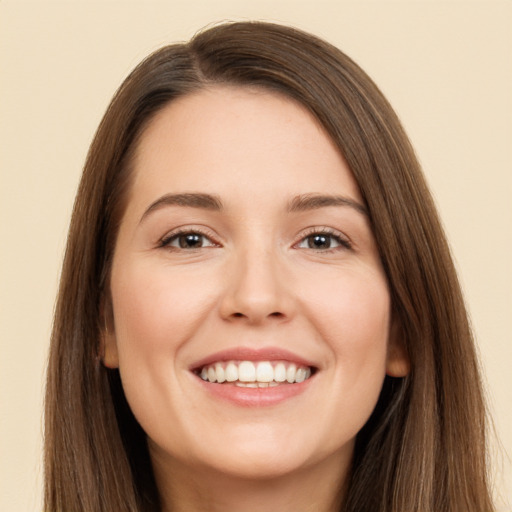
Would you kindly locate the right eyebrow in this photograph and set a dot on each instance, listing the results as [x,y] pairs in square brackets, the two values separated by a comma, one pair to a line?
[306,202]
[190,200]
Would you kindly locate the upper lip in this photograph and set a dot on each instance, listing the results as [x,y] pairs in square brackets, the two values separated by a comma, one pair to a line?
[252,354]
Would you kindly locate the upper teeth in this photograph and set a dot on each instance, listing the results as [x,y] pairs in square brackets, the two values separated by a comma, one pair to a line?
[262,372]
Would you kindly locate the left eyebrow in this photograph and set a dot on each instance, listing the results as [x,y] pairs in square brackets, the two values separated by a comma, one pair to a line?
[188,200]
[305,202]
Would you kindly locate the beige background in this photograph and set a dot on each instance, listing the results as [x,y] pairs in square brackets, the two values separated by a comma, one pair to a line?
[445,66]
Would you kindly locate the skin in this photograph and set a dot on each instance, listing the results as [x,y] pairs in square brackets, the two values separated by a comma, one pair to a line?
[255,281]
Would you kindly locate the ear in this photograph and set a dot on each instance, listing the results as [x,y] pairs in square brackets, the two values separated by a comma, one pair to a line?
[108,341]
[398,363]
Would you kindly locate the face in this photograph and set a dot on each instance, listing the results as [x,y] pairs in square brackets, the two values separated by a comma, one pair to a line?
[250,307]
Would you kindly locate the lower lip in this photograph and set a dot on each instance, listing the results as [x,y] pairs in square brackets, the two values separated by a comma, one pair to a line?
[255,397]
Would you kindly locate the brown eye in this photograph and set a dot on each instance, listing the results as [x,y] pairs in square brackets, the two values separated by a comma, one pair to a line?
[191,240]
[319,241]
[323,241]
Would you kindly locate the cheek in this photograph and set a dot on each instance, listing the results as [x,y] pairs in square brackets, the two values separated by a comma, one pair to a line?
[157,308]
[352,315]
[359,320]
[351,308]
[139,307]
[156,312]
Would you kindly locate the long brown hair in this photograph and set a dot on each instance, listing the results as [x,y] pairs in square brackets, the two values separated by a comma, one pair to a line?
[423,448]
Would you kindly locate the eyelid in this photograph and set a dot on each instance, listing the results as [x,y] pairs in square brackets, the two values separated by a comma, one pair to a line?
[344,240]
[188,229]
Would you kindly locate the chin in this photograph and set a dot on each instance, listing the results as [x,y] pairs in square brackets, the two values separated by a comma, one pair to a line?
[259,466]
[263,459]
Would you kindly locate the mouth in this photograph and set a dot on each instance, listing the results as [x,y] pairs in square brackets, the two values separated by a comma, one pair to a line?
[249,377]
[254,374]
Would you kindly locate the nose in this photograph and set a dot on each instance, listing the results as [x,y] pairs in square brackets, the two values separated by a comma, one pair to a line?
[256,289]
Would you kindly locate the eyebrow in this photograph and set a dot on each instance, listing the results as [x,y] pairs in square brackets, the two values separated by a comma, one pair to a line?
[190,200]
[299,203]
[306,202]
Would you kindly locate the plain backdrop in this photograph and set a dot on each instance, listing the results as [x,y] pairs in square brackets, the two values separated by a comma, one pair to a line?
[445,66]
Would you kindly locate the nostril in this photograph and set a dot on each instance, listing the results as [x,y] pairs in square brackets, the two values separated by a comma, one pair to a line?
[276,314]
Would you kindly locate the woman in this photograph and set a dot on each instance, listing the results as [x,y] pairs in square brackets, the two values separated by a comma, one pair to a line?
[258,309]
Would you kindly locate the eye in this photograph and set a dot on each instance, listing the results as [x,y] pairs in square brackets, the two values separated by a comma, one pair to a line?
[187,240]
[323,241]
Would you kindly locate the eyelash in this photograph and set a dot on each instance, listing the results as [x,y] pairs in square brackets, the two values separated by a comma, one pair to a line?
[343,242]
[338,237]
[175,235]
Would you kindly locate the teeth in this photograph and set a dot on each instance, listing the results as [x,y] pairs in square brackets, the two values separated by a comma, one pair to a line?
[300,375]
[231,372]
[253,384]
[246,372]
[280,372]
[264,372]
[261,374]
[220,373]
[290,373]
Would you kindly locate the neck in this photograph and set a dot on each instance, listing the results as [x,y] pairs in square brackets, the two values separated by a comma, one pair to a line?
[314,489]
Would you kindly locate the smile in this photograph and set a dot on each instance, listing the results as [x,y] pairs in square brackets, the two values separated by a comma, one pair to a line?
[253,374]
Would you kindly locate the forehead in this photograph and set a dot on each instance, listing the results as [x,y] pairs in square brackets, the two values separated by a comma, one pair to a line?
[245,140]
